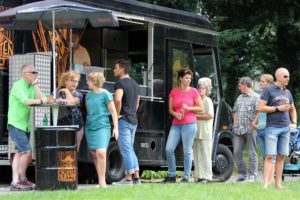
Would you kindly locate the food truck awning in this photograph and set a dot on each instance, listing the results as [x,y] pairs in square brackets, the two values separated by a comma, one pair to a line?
[67,15]
[55,14]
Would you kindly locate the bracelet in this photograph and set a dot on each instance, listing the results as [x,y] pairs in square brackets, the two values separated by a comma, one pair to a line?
[41,101]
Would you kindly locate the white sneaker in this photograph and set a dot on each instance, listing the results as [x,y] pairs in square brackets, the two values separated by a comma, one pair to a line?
[123,182]
[251,179]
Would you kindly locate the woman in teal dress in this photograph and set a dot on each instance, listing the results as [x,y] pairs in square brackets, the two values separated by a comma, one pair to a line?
[99,105]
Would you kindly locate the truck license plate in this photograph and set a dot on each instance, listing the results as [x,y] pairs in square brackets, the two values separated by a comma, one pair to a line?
[3,148]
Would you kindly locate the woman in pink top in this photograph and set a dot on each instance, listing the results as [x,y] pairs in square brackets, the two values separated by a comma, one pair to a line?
[184,103]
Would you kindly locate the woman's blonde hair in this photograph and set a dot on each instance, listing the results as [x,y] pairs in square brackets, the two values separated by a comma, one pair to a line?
[68,76]
[97,78]
[268,77]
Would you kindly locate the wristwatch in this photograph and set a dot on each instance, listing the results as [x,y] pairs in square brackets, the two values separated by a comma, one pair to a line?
[276,109]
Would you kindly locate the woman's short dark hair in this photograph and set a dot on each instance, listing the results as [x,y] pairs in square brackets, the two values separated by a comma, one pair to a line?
[124,64]
[184,71]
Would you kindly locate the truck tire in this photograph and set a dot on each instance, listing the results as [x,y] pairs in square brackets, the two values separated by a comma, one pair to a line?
[224,163]
[114,163]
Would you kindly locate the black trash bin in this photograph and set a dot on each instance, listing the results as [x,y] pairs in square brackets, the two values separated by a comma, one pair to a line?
[56,158]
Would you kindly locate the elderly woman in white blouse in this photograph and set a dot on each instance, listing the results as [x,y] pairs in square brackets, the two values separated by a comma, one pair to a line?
[203,141]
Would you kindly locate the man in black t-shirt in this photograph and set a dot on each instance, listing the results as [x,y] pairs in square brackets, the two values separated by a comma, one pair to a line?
[127,102]
[277,101]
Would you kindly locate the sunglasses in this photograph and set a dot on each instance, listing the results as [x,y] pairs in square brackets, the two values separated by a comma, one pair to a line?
[33,72]
[286,76]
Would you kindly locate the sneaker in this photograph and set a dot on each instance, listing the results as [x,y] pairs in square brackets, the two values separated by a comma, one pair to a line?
[241,179]
[169,179]
[251,179]
[19,187]
[199,180]
[25,181]
[203,180]
[123,182]
[136,181]
[184,180]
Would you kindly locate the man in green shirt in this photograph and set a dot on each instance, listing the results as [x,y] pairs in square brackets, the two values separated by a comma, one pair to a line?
[25,92]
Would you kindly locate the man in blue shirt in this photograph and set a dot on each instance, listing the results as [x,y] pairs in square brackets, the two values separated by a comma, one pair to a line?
[278,103]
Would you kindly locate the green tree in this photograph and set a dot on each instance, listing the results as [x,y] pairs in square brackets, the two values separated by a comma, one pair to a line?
[256,37]
[187,5]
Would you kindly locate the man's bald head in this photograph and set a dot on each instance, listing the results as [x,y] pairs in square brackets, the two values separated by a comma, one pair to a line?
[280,71]
[282,77]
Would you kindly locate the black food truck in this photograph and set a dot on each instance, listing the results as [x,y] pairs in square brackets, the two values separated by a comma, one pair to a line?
[158,41]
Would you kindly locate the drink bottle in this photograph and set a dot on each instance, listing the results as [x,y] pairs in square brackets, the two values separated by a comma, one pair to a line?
[182,112]
[287,103]
[45,120]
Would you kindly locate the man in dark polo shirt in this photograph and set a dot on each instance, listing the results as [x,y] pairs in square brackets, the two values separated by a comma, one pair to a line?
[127,102]
[278,103]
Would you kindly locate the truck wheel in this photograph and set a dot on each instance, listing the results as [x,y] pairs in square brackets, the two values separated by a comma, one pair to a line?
[224,163]
[114,163]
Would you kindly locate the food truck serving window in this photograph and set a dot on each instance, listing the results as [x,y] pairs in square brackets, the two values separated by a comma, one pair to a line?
[179,56]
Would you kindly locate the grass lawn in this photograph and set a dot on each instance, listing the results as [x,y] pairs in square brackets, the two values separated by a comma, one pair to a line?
[190,191]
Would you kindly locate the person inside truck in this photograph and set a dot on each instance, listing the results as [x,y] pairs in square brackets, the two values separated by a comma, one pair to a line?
[184,103]
[24,92]
[80,54]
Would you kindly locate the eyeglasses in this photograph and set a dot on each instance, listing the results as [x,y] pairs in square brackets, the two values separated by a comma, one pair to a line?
[33,72]
[286,76]
[74,81]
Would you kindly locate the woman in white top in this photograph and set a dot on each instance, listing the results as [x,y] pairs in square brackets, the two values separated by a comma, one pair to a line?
[203,141]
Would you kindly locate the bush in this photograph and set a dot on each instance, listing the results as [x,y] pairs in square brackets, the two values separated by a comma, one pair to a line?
[150,174]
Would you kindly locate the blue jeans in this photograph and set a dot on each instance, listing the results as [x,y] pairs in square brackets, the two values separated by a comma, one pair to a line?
[186,133]
[277,141]
[126,142]
[261,141]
